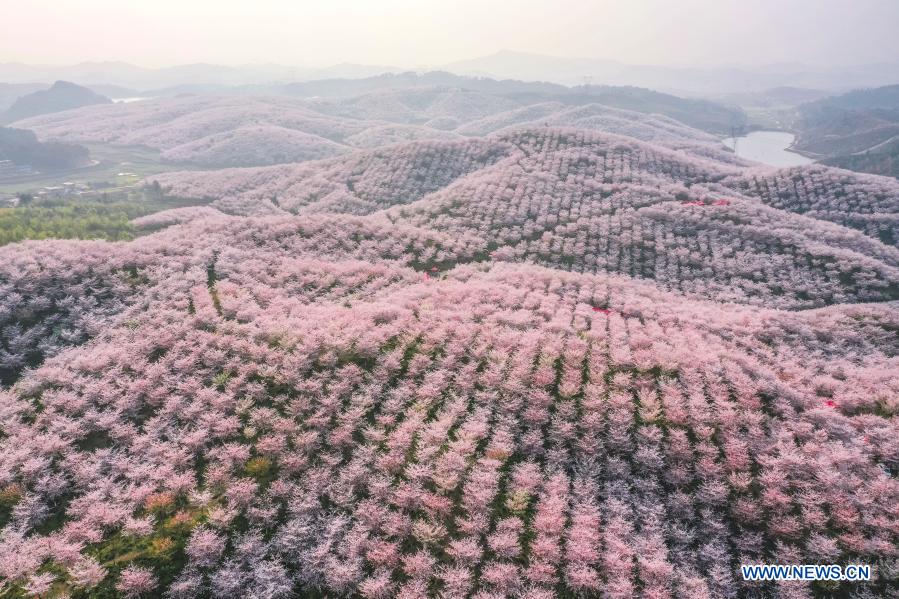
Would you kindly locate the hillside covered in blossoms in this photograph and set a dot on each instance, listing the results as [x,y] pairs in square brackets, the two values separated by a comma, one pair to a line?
[443,343]
[213,131]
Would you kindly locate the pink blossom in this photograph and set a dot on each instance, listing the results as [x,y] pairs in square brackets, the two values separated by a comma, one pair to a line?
[135,581]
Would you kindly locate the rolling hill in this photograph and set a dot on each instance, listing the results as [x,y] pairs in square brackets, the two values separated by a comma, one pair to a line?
[226,130]
[857,130]
[885,161]
[22,147]
[593,202]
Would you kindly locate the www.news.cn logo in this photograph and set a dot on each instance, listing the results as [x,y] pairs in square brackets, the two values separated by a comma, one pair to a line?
[806,572]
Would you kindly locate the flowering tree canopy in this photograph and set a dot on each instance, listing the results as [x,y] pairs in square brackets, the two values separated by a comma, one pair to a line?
[548,362]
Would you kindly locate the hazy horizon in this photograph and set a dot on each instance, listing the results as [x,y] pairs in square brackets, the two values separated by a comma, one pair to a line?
[431,67]
[403,34]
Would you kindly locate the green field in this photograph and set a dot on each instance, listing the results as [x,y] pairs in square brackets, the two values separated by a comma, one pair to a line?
[111,160]
[79,219]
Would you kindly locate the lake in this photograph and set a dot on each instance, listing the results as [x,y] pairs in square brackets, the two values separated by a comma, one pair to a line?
[769,147]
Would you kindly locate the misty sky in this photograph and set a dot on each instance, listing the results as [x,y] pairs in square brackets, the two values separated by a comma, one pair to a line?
[415,33]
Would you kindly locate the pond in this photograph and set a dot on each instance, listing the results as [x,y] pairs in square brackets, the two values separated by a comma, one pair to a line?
[769,147]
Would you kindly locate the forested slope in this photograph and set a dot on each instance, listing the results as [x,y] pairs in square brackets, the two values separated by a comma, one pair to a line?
[284,416]
[594,202]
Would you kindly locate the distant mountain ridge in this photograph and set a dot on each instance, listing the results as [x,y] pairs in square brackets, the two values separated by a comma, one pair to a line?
[411,79]
[63,95]
[886,97]
[133,76]
[10,92]
[680,80]
[500,65]
[702,114]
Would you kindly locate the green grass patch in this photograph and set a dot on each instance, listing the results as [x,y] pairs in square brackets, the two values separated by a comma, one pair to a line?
[79,219]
